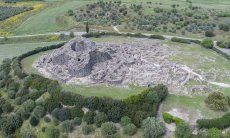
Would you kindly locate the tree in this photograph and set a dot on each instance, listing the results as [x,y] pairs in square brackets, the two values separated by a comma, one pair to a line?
[139,117]
[87,129]
[130,129]
[52,132]
[34,121]
[183,130]
[7,107]
[39,111]
[100,118]
[67,126]
[162,91]
[114,114]
[77,121]
[152,128]
[76,112]
[217,101]
[214,133]
[125,120]
[108,129]
[87,27]
[71,34]
[89,117]
[207,43]
[209,33]
[70,12]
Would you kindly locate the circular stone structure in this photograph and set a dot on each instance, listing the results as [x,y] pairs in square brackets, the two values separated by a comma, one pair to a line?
[139,61]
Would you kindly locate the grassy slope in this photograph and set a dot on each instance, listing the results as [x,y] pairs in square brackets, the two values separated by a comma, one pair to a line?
[12,50]
[46,21]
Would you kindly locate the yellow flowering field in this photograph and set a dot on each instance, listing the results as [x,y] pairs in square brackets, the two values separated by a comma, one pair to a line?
[6,26]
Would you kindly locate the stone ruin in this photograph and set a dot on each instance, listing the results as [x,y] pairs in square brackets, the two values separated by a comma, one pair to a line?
[82,61]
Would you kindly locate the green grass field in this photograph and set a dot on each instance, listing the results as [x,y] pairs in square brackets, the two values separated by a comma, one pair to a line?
[47,20]
[13,50]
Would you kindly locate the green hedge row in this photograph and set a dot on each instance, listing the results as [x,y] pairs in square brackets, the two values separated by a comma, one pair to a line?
[220,123]
[137,35]
[186,41]
[168,118]
[227,56]
[16,66]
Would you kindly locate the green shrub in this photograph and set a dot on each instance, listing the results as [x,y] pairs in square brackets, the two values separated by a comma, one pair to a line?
[87,129]
[214,133]
[67,126]
[47,119]
[220,123]
[130,129]
[100,118]
[114,114]
[89,117]
[139,117]
[125,120]
[108,129]
[52,132]
[7,107]
[34,121]
[183,130]
[168,118]
[76,112]
[77,121]
[207,43]
[180,40]
[157,37]
[39,111]
[152,128]
[209,33]
[217,101]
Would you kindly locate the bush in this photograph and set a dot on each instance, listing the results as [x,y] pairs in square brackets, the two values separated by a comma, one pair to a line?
[168,118]
[157,37]
[209,33]
[39,111]
[161,90]
[214,133]
[220,123]
[89,117]
[76,112]
[207,43]
[152,128]
[87,129]
[77,121]
[63,114]
[28,135]
[114,114]
[180,40]
[125,120]
[108,129]
[47,119]
[183,130]
[29,105]
[52,132]
[100,118]
[11,94]
[7,107]
[67,126]
[139,117]
[34,121]
[217,101]
[130,129]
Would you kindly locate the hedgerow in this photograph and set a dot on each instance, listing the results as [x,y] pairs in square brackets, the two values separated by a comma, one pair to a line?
[220,123]
[168,118]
